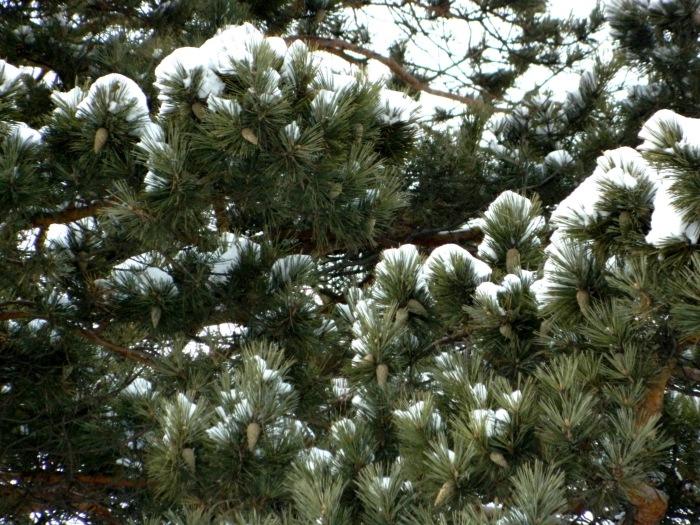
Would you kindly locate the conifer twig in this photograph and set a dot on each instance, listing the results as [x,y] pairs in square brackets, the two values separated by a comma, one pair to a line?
[338,47]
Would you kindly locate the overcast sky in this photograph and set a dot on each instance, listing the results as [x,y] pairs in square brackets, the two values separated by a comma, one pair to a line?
[385,32]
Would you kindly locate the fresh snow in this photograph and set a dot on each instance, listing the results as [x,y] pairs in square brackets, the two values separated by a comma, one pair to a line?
[558,158]
[667,223]
[123,94]
[446,254]
[67,103]
[415,414]
[343,426]
[24,136]
[230,256]
[284,269]
[513,399]
[237,47]
[625,168]
[405,256]
[316,457]
[147,277]
[178,68]
[395,107]
[9,75]
[224,106]
[509,200]
[138,387]
[493,422]
[622,168]
[480,392]
[488,292]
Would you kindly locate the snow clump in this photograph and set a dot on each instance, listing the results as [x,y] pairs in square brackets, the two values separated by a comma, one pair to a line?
[621,168]
[235,49]
[667,221]
[446,255]
[9,75]
[120,93]
[509,203]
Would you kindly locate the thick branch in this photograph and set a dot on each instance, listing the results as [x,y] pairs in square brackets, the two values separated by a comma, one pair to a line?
[432,238]
[8,316]
[649,502]
[338,47]
[134,355]
[649,505]
[70,214]
[690,373]
[39,492]
[393,238]
[53,479]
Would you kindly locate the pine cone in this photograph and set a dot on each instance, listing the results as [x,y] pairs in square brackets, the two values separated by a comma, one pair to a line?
[188,457]
[156,313]
[101,136]
[625,221]
[446,491]
[249,135]
[499,459]
[512,259]
[198,110]
[253,433]
[506,330]
[583,298]
[382,375]
[336,189]
[401,315]
[416,307]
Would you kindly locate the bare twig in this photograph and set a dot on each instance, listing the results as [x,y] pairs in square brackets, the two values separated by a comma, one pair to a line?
[338,47]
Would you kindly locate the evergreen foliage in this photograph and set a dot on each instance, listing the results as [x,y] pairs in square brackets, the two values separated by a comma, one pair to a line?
[211,310]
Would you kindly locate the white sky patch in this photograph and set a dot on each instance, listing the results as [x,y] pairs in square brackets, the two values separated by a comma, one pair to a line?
[431,51]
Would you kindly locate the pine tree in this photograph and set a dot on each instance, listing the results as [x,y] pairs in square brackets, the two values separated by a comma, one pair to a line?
[192,330]
[81,42]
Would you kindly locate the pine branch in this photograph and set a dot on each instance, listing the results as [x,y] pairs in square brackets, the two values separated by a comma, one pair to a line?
[444,340]
[46,489]
[395,237]
[70,214]
[650,503]
[690,373]
[434,238]
[654,400]
[128,353]
[9,316]
[338,47]
[95,479]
